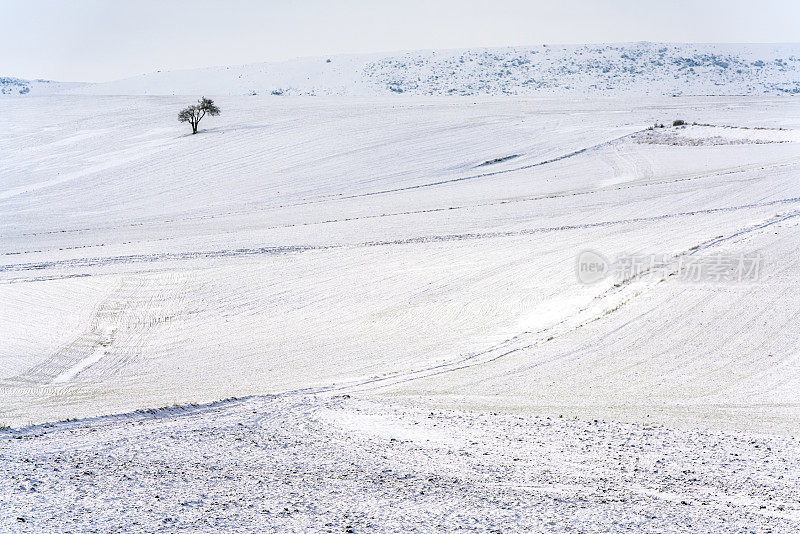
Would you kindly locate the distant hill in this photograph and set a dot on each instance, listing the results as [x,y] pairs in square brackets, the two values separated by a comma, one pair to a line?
[18,86]
[606,69]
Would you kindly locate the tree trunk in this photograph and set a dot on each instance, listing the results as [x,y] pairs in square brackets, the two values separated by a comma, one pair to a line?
[194,128]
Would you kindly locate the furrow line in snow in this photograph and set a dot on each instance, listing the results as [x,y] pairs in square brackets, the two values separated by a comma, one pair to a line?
[481,175]
[294,249]
[604,304]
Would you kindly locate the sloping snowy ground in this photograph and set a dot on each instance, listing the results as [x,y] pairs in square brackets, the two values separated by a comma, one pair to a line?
[299,463]
[422,250]
[368,244]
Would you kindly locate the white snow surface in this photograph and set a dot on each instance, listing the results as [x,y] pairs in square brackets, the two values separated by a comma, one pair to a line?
[417,255]
[371,244]
[578,70]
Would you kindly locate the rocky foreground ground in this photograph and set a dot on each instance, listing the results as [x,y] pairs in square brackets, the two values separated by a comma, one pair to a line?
[302,462]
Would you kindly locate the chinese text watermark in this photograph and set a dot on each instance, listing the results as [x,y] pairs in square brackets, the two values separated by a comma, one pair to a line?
[592,267]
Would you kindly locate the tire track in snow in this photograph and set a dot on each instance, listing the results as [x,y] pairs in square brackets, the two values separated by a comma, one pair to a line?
[295,249]
[481,175]
[114,336]
[554,195]
[601,305]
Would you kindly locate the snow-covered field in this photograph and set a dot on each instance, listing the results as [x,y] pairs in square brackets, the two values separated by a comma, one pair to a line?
[419,255]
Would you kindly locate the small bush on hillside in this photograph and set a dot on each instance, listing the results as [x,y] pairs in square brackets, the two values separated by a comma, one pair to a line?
[678,122]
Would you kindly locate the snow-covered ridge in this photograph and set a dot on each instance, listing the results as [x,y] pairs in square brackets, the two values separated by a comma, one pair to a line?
[18,86]
[644,68]
[602,69]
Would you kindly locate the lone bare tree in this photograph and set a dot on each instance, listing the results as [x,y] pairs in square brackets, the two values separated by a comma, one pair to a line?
[195,112]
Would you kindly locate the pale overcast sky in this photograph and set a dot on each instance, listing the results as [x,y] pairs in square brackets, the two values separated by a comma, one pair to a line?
[99,40]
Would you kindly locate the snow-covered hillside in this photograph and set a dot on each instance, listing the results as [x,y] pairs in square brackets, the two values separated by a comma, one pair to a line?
[16,86]
[638,68]
[380,244]
[394,290]
[581,70]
